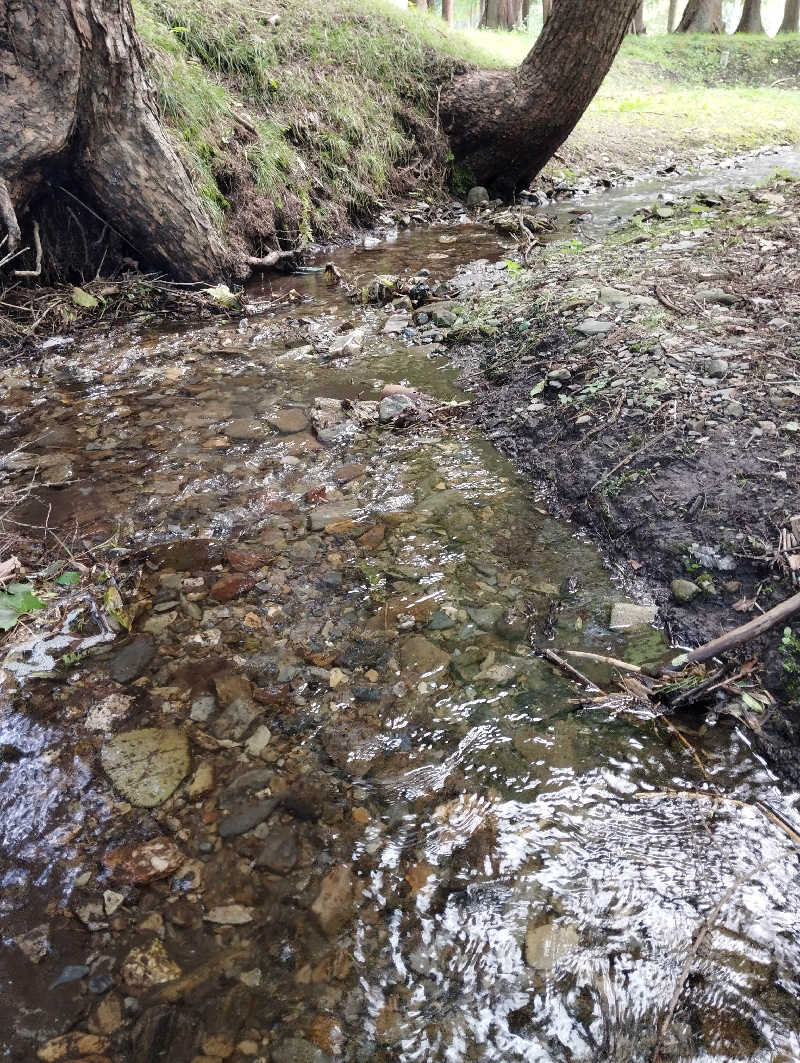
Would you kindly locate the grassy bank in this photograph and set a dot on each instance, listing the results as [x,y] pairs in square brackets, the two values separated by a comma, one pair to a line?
[298,119]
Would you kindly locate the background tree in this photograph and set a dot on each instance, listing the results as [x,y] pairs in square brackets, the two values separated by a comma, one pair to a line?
[672,15]
[702,16]
[504,125]
[637,23]
[791,17]
[750,22]
[447,11]
[547,7]
[77,114]
[498,15]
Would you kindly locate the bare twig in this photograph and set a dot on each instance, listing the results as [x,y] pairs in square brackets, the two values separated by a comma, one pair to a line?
[615,662]
[566,667]
[37,243]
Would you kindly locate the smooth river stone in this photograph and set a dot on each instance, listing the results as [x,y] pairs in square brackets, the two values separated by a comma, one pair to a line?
[147,765]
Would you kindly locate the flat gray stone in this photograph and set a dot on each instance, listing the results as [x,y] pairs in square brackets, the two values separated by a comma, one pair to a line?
[624,614]
[477,195]
[129,662]
[396,323]
[331,513]
[592,327]
[147,765]
[245,818]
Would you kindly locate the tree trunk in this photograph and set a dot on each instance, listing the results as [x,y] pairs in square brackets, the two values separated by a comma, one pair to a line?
[672,15]
[504,126]
[498,15]
[639,27]
[750,22]
[526,12]
[791,17]
[77,114]
[547,7]
[422,5]
[702,16]
[447,11]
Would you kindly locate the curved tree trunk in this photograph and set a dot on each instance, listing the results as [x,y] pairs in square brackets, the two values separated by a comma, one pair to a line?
[702,16]
[504,126]
[791,17]
[77,112]
[750,22]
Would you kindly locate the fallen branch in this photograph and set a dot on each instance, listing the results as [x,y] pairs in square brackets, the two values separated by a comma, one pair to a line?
[270,260]
[613,661]
[567,669]
[752,629]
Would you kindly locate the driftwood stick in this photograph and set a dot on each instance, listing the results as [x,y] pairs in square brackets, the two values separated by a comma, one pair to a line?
[601,659]
[747,631]
[37,270]
[567,669]
[270,260]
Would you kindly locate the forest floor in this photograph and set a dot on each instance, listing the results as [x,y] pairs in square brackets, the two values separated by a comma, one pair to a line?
[650,381]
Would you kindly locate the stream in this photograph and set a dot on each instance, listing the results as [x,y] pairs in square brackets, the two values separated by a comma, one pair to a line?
[470,865]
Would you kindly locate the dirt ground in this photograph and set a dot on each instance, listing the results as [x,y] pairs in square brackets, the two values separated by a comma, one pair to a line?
[650,385]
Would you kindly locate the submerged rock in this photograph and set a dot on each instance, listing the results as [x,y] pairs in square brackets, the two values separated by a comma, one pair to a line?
[129,662]
[546,945]
[147,765]
[624,614]
[419,654]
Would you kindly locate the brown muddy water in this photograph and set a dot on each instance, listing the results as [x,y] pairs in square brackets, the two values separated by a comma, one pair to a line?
[464,863]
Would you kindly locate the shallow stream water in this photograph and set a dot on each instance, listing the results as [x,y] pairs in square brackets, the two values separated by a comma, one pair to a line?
[533,877]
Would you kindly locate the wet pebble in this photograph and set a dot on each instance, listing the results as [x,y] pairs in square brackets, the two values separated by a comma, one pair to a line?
[247,817]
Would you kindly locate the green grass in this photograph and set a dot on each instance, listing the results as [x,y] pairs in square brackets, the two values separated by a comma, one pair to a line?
[342,97]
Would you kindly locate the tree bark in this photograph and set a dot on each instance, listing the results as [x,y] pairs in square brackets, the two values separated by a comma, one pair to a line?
[672,15]
[791,17]
[750,22]
[498,15]
[77,113]
[447,11]
[702,16]
[504,126]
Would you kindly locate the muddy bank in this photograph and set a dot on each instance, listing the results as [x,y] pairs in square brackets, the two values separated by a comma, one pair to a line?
[650,383]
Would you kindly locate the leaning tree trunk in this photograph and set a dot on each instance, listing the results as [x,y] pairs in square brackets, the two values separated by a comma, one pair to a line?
[504,126]
[791,17]
[702,16]
[750,22]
